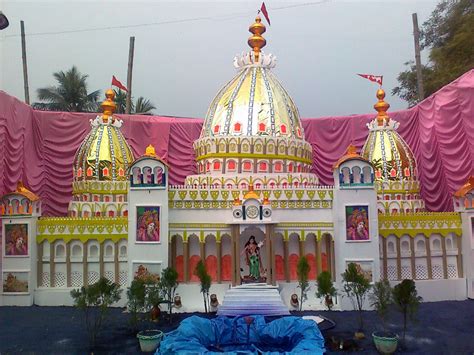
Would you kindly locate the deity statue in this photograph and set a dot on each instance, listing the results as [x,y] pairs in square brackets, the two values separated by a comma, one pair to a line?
[253,259]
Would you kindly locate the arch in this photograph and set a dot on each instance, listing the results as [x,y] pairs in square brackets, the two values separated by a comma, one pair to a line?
[109,250]
[210,252]
[60,250]
[293,254]
[367,174]
[310,251]
[346,175]
[93,250]
[159,175]
[436,244]
[226,260]
[123,251]
[76,250]
[194,256]
[356,175]
[147,175]
[136,175]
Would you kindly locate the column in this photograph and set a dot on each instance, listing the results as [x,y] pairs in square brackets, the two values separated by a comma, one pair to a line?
[68,264]
[328,253]
[237,254]
[116,263]
[385,258]
[445,258]
[272,253]
[202,244]
[185,258]
[428,258]
[268,262]
[101,259]
[459,256]
[285,255]
[412,258]
[301,239]
[399,260]
[39,268]
[219,257]
[85,280]
[52,268]
[319,262]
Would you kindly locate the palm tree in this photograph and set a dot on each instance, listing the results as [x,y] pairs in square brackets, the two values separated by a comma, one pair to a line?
[142,106]
[70,94]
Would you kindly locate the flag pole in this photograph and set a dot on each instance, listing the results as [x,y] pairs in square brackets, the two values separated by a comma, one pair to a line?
[25,67]
[129,76]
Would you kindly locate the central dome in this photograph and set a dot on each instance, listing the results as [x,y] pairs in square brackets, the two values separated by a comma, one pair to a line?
[253,103]
[252,133]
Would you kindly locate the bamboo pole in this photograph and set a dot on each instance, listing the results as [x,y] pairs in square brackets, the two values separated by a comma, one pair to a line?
[129,75]
[25,66]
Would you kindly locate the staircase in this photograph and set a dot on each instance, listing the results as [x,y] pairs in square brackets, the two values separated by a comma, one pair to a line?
[252,299]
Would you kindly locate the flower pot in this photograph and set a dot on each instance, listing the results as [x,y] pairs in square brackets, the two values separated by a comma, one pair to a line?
[149,339]
[386,343]
[155,313]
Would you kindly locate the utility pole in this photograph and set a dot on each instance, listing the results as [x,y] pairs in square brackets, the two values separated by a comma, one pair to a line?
[129,76]
[25,67]
[419,76]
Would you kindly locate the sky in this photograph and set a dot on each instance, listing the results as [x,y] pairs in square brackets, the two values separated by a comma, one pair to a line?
[184,49]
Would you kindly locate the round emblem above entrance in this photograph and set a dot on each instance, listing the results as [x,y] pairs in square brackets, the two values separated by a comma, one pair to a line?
[252,212]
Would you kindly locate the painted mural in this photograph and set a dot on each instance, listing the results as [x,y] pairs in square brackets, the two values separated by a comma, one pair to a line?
[148,224]
[16,239]
[357,223]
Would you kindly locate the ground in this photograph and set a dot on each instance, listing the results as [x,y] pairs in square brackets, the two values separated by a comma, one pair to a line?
[442,328]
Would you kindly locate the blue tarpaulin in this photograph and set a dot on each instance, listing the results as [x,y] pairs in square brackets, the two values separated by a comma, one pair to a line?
[243,335]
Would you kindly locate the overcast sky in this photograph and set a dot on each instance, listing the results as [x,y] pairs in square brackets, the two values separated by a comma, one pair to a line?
[184,49]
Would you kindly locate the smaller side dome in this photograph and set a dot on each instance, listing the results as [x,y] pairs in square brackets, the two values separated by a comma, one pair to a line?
[104,155]
[391,157]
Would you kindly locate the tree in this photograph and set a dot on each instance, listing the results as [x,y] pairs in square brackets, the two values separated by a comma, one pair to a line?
[142,106]
[136,295]
[94,300]
[381,299]
[407,300]
[168,284]
[302,270]
[325,288]
[206,280]
[69,95]
[449,36]
[356,287]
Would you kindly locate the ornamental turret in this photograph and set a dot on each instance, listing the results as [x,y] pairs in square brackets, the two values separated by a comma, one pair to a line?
[394,163]
[101,167]
[253,127]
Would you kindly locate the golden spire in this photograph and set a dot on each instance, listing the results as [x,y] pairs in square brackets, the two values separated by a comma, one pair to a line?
[381,107]
[256,41]
[108,106]
[150,151]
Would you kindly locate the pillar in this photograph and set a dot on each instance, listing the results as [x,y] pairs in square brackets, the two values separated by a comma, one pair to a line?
[459,256]
[52,268]
[285,255]
[428,258]
[445,258]
[39,268]
[85,268]
[412,258]
[399,260]
[68,264]
[219,258]
[116,263]
[385,259]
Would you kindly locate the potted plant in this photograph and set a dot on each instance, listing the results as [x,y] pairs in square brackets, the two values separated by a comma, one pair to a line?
[149,339]
[356,287]
[205,280]
[407,301]
[381,298]
[136,295]
[302,270]
[168,284]
[94,300]
[325,288]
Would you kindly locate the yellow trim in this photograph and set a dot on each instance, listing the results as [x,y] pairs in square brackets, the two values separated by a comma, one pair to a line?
[254,156]
[401,191]
[305,225]
[426,223]
[84,238]
[198,225]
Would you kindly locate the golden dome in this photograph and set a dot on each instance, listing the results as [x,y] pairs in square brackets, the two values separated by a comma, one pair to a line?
[104,154]
[253,103]
[385,149]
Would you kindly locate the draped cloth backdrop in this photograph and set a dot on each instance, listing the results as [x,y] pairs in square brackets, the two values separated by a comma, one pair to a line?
[38,147]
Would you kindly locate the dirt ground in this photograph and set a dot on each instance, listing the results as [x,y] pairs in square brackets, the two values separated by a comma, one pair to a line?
[441,328]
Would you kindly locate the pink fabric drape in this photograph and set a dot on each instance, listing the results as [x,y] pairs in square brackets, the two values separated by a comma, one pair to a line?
[39,147]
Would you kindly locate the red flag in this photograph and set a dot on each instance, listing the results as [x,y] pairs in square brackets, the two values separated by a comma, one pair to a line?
[264,11]
[375,78]
[117,83]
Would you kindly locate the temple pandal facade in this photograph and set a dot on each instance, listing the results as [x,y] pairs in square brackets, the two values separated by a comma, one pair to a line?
[253,179]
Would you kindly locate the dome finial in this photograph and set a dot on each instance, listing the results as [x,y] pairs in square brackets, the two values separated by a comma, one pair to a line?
[108,106]
[381,107]
[256,41]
